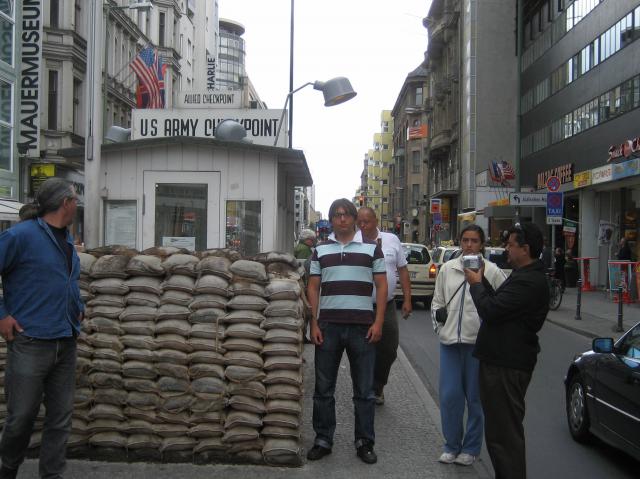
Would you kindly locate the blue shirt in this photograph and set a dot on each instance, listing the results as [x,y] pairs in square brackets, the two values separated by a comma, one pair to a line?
[346,273]
[39,291]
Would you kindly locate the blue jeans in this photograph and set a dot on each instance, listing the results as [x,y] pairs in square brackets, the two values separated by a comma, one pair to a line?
[459,383]
[39,370]
[362,357]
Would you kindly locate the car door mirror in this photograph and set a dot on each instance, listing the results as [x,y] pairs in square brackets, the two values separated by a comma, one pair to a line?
[602,345]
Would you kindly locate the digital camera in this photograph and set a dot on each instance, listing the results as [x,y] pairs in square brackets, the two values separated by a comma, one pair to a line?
[472,261]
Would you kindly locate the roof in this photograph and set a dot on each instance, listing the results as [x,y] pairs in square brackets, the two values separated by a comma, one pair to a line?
[292,161]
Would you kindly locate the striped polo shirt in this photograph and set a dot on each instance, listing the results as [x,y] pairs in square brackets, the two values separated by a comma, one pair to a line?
[346,273]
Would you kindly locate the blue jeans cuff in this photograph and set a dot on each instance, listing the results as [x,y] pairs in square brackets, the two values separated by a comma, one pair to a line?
[322,443]
[362,441]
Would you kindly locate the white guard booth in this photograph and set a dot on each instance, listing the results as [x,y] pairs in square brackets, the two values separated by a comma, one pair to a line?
[199,193]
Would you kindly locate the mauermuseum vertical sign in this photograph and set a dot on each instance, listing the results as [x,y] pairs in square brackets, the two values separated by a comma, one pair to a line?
[30,77]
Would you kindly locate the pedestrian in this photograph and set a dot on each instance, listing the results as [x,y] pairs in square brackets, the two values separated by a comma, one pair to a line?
[624,253]
[458,368]
[306,242]
[343,319]
[41,313]
[507,346]
[396,267]
[558,265]
[547,256]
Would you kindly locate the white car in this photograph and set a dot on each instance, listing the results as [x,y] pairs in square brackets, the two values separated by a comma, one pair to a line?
[422,273]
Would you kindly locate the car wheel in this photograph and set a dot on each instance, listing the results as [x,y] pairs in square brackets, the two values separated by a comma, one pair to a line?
[577,412]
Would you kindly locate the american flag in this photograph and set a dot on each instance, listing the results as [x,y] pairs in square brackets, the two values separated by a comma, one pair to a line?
[150,71]
[507,171]
[496,172]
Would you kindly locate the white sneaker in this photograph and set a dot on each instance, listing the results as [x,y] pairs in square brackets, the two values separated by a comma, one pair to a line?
[465,459]
[447,458]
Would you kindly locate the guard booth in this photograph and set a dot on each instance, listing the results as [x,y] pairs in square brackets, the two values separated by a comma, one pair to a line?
[199,193]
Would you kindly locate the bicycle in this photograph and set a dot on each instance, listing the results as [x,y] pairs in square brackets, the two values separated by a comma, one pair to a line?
[555,290]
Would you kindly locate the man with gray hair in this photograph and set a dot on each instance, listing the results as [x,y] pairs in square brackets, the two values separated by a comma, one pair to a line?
[306,242]
[40,320]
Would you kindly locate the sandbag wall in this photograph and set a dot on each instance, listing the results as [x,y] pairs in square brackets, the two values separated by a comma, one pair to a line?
[189,357]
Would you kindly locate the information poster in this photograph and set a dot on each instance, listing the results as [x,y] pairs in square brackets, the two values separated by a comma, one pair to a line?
[120,223]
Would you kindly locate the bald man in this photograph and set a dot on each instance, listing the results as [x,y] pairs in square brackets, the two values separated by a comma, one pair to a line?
[394,260]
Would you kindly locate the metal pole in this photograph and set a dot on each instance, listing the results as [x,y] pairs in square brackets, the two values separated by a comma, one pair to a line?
[579,301]
[291,76]
[619,328]
[518,152]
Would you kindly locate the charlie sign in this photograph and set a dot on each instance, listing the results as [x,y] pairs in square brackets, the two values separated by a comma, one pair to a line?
[261,125]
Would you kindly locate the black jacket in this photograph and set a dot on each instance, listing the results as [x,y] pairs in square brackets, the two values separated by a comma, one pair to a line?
[511,316]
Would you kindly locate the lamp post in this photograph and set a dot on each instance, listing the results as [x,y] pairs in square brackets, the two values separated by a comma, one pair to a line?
[335,91]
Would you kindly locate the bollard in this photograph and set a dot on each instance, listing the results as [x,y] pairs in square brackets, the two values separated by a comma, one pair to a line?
[579,301]
[620,329]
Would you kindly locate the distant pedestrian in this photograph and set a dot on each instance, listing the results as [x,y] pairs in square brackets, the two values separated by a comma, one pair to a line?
[41,313]
[507,346]
[558,265]
[396,266]
[624,253]
[306,243]
[459,388]
[343,272]
[547,255]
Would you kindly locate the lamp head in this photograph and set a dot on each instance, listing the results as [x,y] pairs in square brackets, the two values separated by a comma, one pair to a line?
[230,130]
[117,134]
[335,91]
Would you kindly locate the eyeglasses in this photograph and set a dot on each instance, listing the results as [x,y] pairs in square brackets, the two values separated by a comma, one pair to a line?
[341,215]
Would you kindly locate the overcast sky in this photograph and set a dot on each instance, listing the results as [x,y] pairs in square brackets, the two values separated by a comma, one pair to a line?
[374,43]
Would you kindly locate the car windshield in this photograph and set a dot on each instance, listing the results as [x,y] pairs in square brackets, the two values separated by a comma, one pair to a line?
[416,254]
[449,254]
[435,254]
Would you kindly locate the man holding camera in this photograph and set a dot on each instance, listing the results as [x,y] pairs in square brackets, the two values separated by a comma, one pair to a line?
[507,346]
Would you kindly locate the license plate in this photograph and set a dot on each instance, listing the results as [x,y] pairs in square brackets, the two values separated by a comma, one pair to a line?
[413,274]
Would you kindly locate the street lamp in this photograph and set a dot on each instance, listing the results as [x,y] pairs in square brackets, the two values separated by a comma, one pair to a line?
[335,91]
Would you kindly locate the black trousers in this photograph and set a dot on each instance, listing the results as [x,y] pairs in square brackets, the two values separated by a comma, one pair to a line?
[386,348]
[502,392]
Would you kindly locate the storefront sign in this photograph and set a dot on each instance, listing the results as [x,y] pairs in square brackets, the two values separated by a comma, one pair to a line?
[188,242]
[261,125]
[602,174]
[625,149]
[563,172]
[445,209]
[39,173]
[582,179]
[209,99]
[29,99]
[625,169]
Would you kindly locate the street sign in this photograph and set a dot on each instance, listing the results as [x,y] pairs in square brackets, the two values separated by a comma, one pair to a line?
[528,199]
[437,218]
[554,220]
[554,204]
[435,205]
[553,183]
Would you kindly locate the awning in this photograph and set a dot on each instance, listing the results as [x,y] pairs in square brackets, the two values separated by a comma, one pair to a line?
[9,210]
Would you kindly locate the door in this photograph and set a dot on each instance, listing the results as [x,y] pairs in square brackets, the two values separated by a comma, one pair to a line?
[182,209]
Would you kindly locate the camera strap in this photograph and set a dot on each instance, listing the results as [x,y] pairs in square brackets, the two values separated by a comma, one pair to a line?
[454,294]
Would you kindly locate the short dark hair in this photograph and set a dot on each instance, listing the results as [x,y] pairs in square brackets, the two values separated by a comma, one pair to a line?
[528,234]
[473,227]
[345,204]
[52,193]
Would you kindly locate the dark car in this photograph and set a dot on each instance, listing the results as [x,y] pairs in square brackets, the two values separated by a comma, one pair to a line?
[603,393]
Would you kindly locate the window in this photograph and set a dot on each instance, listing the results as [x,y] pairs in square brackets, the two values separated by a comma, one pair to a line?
[385,127]
[76,21]
[6,125]
[415,194]
[244,226]
[415,161]
[161,28]
[54,13]
[6,32]
[77,87]
[52,110]
[419,95]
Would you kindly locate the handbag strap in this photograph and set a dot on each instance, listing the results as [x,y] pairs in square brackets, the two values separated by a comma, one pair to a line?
[454,294]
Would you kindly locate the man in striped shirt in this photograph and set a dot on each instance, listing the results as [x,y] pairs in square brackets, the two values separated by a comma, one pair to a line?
[343,272]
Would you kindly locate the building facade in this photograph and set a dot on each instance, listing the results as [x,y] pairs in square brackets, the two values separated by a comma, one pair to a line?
[580,97]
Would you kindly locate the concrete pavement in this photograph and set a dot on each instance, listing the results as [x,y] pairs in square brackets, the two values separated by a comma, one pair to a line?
[598,312]
[408,441]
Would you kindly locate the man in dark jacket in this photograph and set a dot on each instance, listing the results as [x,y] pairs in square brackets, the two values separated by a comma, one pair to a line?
[507,346]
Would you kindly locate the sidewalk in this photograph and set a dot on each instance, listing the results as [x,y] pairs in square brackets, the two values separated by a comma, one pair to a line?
[408,441]
[598,311]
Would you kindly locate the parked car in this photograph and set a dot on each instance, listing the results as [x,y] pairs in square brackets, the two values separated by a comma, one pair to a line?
[422,273]
[603,392]
[442,254]
[497,255]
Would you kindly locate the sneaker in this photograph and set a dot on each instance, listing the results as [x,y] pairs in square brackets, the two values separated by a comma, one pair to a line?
[380,399]
[318,452]
[465,459]
[365,452]
[447,458]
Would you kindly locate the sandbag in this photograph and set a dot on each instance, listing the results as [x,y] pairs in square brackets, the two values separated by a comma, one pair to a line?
[276,257]
[143,400]
[242,418]
[173,341]
[110,266]
[109,286]
[208,301]
[114,300]
[282,349]
[206,370]
[247,403]
[282,452]
[171,356]
[136,354]
[243,374]
[144,284]
[103,325]
[214,265]
[137,328]
[140,385]
[283,289]
[240,434]
[173,326]
[139,369]
[86,262]
[247,288]
[206,430]
[210,284]
[171,369]
[138,313]
[143,441]
[173,311]
[282,362]
[244,330]
[139,298]
[244,316]
[253,389]
[249,270]
[279,335]
[145,265]
[139,341]
[105,380]
[243,344]
[178,263]
[284,406]
[247,302]
[243,358]
[179,298]
[284,391]
[282,322]
[108,439]
[207,315]
[284,307]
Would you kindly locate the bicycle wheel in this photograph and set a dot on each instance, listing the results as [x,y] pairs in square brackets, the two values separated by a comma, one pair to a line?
[555,297]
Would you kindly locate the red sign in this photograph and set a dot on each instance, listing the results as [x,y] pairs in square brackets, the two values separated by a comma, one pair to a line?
[553,183]
[624,150]
[416,132]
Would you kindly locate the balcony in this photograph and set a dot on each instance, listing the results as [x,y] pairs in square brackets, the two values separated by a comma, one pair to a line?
[441,139]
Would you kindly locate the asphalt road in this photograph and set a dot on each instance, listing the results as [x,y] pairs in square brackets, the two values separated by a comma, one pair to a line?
[551,452]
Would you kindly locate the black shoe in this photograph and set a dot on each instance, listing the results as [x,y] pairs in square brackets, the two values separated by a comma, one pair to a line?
[318,452]
[6,473]
[365,452]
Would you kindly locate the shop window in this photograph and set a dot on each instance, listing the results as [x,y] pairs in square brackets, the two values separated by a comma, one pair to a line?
[243,230]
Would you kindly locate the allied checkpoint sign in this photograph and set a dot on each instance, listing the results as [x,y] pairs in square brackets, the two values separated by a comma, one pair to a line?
[261,125]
